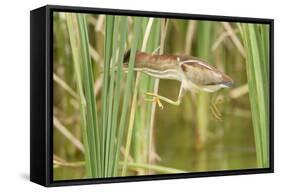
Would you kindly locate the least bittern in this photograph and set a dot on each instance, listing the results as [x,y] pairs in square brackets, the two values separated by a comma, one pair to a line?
[193,73]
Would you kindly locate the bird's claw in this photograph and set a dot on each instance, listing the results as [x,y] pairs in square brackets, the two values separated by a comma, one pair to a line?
[155,99]
[216,113]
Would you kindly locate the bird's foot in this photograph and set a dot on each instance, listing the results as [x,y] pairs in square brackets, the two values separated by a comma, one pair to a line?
[156,98]
[216,113]
[214,109]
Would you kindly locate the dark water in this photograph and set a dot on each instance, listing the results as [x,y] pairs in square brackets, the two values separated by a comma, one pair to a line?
[229,145]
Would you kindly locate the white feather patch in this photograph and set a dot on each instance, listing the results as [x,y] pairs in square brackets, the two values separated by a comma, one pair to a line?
[197,62]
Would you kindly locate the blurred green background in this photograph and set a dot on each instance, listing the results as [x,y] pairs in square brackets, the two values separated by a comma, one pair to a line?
[184,138]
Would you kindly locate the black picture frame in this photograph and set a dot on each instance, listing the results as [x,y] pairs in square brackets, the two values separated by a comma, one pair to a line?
[41,95]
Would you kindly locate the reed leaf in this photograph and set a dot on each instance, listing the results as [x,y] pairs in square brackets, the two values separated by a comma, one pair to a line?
[256,42]
[136,32]
[109,128]
[79,41]
[109,25]
[142,137]
[123,29]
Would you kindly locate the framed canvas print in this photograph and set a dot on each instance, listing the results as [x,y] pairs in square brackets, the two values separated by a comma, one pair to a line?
[122,95]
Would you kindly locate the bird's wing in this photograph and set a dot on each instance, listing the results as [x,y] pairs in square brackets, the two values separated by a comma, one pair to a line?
[201,73]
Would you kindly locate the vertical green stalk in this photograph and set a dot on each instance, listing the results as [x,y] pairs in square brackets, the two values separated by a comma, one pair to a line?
[109,128]
[123,29]
[143,144]
[109,25]
[256,42]
[75,41]
[119,40]
[202,51]
[137,22]
[137,151]
[78,33]
[92,119]
[162,25]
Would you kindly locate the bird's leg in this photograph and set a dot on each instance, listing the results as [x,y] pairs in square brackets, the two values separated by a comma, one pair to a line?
[157,98]
[213,106]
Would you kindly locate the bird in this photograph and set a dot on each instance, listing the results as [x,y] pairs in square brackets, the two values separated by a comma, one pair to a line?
[194,74]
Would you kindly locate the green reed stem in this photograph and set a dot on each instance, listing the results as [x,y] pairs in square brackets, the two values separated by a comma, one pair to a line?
[77,29]
[137,21]
[256,42]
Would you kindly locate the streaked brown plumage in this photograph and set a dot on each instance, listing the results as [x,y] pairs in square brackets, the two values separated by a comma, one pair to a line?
[194,73]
